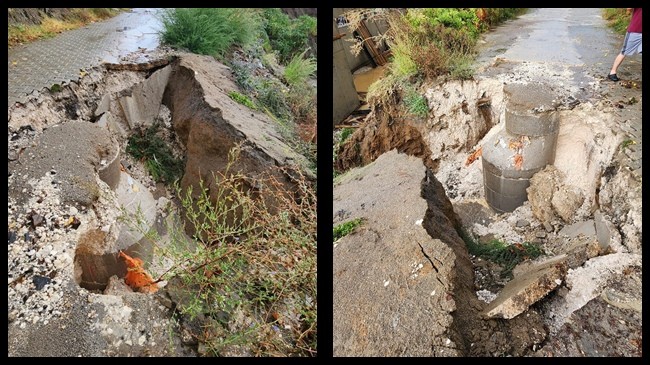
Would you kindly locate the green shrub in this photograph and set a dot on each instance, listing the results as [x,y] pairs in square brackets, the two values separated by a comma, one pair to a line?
[345,133]
[464,20]
[495,16]
[288,36]
[617,18]
[299,69]
[462,68]
[272,95]
[209,31]
[156,155]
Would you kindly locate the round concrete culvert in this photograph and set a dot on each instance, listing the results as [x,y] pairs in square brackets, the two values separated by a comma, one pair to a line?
[530,110]
[525,146]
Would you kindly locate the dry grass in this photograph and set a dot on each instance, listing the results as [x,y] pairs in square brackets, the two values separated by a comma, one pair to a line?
[50,27]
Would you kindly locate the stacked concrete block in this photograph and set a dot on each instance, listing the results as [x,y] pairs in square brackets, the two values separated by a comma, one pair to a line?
[525,146]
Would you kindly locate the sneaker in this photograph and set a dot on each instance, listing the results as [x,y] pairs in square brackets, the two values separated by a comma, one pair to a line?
[613,77]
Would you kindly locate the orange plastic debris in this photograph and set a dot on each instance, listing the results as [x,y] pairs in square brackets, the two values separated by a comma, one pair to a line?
[519,160]
[136,277]
[475,155]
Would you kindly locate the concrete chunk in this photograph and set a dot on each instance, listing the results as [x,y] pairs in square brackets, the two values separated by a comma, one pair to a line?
[586,228]
[526,289]
[135,198]
[603,233]
[141,107]
[103,105]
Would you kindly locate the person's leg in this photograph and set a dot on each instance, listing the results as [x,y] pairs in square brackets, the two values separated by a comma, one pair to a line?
[617,62]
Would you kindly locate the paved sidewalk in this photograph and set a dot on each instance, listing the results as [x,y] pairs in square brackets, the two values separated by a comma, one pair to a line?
[60,59]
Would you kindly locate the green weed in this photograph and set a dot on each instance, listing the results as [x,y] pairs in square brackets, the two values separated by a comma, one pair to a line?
[345,133]
[242,99]
[627,143]
[462,68]
[617,18]
[346,228]
[288,36]
[499,252]
[55,88]
[416,104]
[250,267]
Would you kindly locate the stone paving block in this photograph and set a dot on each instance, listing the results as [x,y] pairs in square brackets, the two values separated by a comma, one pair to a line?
[67,53]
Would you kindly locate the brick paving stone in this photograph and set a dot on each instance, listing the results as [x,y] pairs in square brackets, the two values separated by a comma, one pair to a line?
[35,65]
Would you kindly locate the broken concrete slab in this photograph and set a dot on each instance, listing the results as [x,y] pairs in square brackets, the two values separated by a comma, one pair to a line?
[96,256]
[71,153]
[582,249]
[103,105]
[586,228]
[210,124]
[139,206]
[616,309]
[603,232]
[392,280]
[109,168]
[527,288]
[114,124]
[203,113]
[141,105]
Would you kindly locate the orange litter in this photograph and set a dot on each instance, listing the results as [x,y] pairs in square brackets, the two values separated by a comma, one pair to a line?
[136,277]
[473,156]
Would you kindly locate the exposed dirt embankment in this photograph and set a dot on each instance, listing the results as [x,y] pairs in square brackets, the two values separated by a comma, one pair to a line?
[34,16]
[460,114]
[383,131]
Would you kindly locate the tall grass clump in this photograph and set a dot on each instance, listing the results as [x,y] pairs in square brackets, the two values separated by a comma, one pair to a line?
[430,42]
[210,31]
[299,69]
[147,146]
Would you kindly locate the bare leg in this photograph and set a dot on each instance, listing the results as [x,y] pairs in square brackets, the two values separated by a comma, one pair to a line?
[617,62]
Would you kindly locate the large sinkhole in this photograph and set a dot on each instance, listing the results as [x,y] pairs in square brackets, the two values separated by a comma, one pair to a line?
[101,130]
[520,169]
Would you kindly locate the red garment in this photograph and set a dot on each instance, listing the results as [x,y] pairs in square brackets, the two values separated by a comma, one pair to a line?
[635,23]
